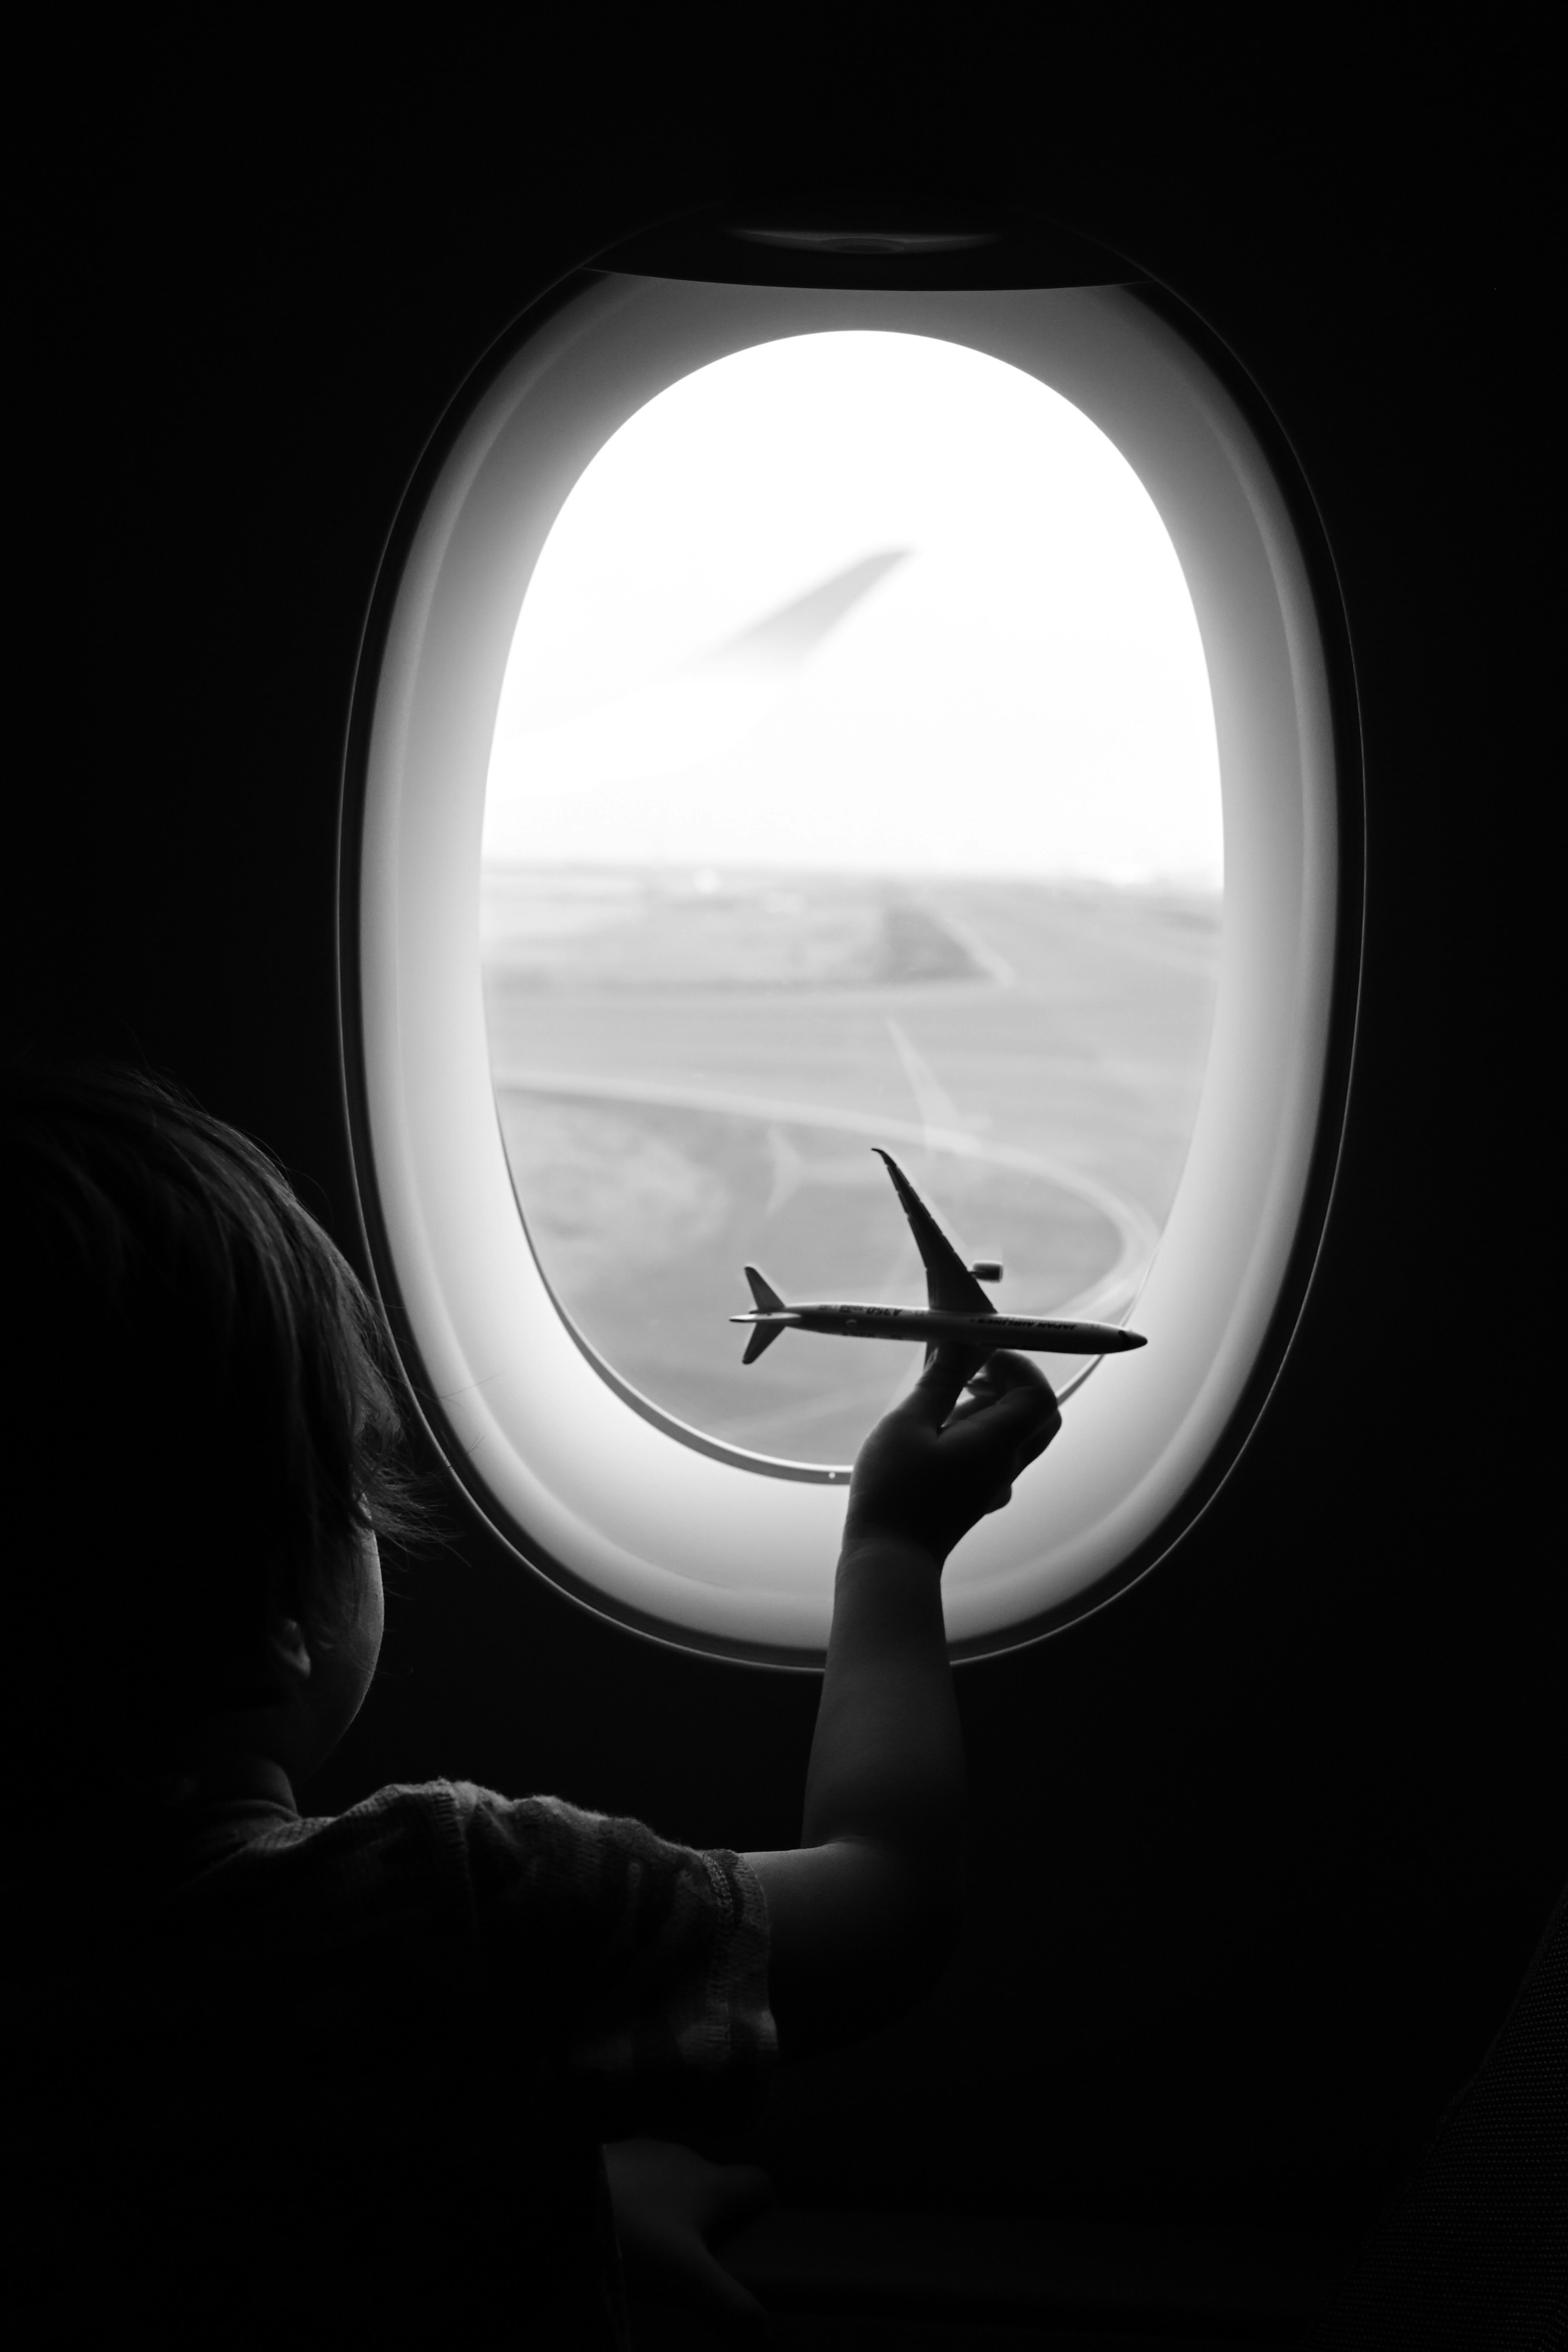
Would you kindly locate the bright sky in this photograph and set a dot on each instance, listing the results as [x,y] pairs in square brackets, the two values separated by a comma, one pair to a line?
[1019,689]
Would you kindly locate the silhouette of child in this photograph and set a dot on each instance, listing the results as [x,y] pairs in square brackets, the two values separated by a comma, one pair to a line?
[419,2072]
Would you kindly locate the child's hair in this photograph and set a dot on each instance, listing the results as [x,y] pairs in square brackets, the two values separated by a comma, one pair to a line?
[207,1414]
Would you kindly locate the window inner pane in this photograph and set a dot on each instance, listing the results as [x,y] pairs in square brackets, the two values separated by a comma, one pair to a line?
[854,782]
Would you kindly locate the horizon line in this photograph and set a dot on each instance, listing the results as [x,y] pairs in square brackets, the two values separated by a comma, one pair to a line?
[1200,878]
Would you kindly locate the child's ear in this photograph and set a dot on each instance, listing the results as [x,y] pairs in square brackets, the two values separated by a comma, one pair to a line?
[288,1645]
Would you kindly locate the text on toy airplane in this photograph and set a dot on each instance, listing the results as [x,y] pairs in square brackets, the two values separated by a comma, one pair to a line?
[859,1321]
[957,1309]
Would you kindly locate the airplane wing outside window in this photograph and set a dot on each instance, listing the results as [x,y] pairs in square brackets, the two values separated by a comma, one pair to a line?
[949,1285]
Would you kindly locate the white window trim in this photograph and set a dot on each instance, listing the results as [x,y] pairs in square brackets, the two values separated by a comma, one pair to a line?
[693,1549]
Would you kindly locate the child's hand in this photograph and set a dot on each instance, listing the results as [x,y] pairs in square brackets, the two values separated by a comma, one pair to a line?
[668,2202]
[932,1467]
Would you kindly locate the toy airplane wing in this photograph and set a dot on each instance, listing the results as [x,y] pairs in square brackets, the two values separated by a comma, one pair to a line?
[949,1285]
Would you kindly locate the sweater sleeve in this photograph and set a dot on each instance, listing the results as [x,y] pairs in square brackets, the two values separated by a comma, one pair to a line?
[635,1969]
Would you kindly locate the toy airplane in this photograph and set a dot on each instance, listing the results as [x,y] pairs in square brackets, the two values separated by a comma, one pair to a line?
[957,1309]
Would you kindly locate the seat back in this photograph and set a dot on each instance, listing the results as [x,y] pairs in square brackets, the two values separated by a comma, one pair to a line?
[1473,2254]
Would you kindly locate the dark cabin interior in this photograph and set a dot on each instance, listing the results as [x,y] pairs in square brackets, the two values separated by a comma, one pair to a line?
[1262,1850]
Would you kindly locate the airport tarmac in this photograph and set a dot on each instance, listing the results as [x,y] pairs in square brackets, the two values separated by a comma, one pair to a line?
[691,1070]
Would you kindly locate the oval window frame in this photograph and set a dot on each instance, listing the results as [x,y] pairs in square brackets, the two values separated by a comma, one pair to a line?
[576,1478]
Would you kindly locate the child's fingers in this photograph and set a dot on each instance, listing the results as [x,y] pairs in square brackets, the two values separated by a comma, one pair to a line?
[1003,1371]
[1012,1431]
[941,1382]
[1032,1447]
[933,1465]
[1008,1403]
[1008,1370]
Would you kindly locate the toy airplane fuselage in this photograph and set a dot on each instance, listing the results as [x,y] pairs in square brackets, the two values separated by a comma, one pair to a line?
[957,1311]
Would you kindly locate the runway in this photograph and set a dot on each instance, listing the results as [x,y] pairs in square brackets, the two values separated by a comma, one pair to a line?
[688,1082]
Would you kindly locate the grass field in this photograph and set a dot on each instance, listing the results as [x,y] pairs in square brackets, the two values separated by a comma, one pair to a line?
[691,1070]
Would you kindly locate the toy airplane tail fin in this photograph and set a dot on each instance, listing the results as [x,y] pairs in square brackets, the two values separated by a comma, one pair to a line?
[762,1335]
[769,1303]
[762,1291]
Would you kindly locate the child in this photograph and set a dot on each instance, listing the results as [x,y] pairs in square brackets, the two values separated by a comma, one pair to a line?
[351,2080]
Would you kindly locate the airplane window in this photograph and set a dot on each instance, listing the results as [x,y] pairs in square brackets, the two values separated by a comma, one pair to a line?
[798,719]
[853,781]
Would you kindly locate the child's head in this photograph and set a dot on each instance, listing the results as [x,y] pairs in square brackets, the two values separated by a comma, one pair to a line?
[204,1438]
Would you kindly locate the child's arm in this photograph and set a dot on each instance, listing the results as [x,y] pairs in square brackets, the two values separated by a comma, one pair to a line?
[864,1912]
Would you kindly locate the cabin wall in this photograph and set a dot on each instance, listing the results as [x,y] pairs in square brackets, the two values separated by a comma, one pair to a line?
[1260,1850]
